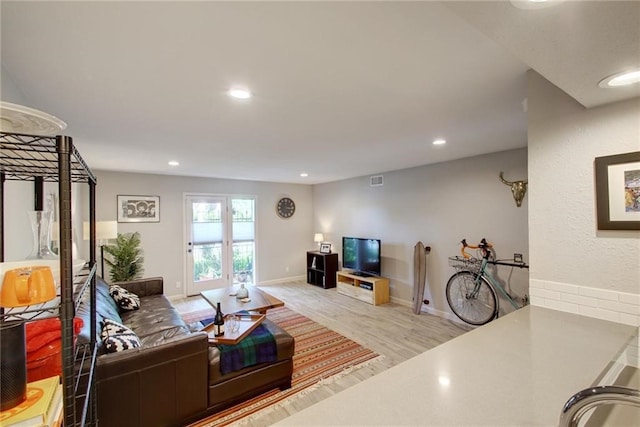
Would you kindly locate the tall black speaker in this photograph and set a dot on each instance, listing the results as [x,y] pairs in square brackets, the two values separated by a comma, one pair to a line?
[13,361]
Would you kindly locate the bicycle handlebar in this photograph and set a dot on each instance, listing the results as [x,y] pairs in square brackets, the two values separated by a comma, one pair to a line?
[509,264]
[483,245]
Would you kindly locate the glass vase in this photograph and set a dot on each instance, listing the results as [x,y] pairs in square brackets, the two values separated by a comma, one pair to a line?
[242,292]
[41,228]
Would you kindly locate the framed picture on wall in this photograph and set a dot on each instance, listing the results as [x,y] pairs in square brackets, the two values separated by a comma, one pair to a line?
[618,191]
[138,208]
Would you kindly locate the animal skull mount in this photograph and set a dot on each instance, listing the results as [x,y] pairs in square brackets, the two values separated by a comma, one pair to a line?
[518,188]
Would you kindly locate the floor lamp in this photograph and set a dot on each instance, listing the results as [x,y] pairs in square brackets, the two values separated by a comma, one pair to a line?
[105,230]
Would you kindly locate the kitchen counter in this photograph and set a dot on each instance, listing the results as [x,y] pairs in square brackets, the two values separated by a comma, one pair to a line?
[517,370]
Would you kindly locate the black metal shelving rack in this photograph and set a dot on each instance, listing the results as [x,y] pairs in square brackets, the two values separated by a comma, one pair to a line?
[55,159]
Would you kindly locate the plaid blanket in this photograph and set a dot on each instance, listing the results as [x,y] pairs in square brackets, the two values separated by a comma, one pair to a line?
[257,347]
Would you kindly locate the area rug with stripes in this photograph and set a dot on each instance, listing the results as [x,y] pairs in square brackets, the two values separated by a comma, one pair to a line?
[321,356]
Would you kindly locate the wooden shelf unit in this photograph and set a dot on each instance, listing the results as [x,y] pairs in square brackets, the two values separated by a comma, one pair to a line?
[321,269]
[350,284]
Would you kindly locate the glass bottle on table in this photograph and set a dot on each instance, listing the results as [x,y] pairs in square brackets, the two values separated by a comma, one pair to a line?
[242,292]
[218,322]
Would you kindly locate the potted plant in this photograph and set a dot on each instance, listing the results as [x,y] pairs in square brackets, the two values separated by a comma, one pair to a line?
[124,257]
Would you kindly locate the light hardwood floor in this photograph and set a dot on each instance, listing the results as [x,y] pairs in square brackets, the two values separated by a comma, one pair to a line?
[391,330]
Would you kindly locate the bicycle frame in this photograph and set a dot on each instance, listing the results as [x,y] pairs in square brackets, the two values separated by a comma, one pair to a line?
[494,283]
[485,246]
[473,292]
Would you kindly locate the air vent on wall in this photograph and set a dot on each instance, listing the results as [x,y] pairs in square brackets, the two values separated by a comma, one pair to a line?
[376,181]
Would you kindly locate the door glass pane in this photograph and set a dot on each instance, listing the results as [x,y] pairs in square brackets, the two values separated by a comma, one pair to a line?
[243,239]
[207,241]
[207,263]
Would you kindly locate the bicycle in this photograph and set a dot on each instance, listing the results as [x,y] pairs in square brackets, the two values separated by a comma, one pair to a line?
[471,290]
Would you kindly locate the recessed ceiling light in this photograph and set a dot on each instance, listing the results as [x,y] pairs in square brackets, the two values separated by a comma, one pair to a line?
[304,174]
[174,163]
[535,4]
[625,78]
[439,142]
[239,93]
[444,380]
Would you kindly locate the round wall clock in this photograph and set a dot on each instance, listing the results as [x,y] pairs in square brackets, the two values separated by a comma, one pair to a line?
[285,207]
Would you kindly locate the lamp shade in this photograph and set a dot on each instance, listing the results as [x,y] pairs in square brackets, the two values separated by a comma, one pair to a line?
[104,230]
[318,237]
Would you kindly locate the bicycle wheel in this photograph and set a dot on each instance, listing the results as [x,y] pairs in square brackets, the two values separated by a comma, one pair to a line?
[475,308]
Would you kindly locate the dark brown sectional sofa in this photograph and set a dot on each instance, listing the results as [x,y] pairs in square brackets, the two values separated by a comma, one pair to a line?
[174,377]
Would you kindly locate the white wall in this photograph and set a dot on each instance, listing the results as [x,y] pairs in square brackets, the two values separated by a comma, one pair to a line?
[437,204]
[574,266]
[19,200]
[282,244]
[9,91]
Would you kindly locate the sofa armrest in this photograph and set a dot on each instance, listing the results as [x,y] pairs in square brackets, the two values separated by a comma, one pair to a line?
[144,287]
[158,386]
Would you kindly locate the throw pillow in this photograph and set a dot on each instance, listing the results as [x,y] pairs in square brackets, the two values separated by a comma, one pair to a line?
[117,337]
[126,300]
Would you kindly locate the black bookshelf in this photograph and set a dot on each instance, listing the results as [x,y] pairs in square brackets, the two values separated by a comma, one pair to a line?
[321,269]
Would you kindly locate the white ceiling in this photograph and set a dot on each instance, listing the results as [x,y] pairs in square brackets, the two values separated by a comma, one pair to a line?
[341,89]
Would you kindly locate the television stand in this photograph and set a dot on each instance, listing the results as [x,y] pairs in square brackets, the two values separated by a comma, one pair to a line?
[370,289]
[361,274]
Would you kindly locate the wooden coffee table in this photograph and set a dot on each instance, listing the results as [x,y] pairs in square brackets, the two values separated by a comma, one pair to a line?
[260,300]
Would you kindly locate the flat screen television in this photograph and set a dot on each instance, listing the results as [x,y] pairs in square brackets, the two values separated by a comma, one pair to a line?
[361,255]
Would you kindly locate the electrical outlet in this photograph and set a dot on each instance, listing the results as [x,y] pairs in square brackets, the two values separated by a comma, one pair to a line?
[517,257]
[178,285]
[286,269]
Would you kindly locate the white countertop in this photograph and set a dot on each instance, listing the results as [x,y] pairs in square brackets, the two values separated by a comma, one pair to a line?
[517,370]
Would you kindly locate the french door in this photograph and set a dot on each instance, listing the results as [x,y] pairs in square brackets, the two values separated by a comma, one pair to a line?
[207,248]
[220,241]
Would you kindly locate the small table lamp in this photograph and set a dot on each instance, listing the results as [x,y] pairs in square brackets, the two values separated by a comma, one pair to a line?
[318,238]
[105,230]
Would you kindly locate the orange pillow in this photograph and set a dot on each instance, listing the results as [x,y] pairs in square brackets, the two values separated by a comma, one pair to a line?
[42,332]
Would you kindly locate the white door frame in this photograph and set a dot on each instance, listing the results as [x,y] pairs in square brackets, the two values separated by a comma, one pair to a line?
[227,236]
[191,286]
